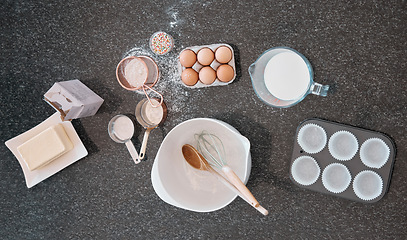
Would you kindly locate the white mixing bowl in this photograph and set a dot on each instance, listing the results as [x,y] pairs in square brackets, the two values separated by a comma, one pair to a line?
[180,185]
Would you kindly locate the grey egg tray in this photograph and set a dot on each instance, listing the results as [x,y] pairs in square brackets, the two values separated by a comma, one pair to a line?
[355,165]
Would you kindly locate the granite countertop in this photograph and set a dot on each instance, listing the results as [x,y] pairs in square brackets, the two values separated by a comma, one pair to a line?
[358,48]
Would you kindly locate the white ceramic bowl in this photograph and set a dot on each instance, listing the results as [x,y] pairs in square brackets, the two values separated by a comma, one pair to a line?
[180,185]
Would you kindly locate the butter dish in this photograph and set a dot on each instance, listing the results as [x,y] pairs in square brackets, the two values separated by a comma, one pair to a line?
[38,175]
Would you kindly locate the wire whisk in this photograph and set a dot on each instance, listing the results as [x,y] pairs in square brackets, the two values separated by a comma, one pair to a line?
[212,149]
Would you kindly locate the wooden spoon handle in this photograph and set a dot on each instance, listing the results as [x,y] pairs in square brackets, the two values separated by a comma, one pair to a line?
[235,180]
[236,191]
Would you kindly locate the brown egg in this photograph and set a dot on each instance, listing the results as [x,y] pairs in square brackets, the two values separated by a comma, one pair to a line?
[205,56]
[223,54]
[207,75]
[187,58]
[189,76]
[225,73]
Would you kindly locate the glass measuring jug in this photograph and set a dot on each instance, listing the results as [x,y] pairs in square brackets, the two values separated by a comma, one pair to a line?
[283,77]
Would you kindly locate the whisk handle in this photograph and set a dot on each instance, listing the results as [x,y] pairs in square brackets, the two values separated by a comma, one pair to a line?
[235,180]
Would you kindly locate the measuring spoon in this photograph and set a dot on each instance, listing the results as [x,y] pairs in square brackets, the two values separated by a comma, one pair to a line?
[149,113]
[121,129]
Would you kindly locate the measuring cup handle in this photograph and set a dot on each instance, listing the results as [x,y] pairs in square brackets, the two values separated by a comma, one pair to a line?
[144,144]
[133,151]
[149,99]
[319,89]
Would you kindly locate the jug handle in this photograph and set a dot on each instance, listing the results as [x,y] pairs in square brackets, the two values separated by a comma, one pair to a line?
[251,69]
[319,89]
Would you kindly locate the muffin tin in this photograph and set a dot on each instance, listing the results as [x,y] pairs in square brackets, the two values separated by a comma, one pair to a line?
[342,160]
[214,65]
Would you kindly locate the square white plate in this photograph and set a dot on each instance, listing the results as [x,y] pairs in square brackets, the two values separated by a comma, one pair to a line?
[33,177]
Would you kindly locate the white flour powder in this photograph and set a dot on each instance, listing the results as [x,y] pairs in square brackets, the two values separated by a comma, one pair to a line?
[135,73]
[176,96]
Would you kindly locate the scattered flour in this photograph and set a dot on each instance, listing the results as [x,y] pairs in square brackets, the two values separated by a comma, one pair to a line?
[175,22]
[176,96]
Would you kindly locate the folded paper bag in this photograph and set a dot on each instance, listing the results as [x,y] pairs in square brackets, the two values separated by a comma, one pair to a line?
[73,99]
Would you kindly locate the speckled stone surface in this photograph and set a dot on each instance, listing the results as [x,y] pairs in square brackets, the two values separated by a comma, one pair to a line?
[357,47]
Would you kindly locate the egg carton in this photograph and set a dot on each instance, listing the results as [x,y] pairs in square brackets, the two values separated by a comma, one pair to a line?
[214,65]
[362,175]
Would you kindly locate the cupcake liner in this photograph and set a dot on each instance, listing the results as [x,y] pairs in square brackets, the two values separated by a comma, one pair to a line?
[312,138]
[305,170]
[343,145]
[336,177]
[367,185]
[374,153]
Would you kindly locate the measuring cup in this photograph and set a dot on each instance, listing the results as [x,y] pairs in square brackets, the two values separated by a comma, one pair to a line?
[138,73]
[121,129]
[283,77]
[149,117]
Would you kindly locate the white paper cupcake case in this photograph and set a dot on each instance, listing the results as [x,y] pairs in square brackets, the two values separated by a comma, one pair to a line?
[305,170]
[374,153]
[343,145]
[367,185]
[336,177]
[312,138]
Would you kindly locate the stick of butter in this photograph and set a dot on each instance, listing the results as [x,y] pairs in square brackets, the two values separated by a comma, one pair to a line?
[45,147]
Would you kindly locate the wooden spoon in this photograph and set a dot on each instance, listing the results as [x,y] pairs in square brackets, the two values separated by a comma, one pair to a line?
[196,160]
